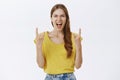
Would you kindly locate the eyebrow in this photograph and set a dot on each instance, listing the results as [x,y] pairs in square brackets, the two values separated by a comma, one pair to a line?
[60,14]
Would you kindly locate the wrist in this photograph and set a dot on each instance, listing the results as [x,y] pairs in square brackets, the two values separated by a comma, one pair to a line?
[39,46]
[78,47]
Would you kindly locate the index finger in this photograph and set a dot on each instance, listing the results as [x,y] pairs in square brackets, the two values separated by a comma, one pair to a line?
[79,31]
[36,31]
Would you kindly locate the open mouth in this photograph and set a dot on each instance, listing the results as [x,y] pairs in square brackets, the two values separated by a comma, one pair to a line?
[59,25]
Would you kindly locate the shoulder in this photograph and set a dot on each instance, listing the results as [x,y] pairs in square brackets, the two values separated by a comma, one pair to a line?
[50,34]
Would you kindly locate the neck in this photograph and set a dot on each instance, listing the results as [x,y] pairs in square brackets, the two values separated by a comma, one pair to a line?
[58,33]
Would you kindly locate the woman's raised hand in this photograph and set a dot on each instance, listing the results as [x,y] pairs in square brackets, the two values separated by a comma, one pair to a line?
[39,38]
[78,38]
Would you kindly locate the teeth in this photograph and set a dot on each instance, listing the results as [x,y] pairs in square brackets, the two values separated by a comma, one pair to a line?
[59,23]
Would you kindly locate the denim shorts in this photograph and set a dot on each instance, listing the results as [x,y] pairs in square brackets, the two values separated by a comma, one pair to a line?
[64,76]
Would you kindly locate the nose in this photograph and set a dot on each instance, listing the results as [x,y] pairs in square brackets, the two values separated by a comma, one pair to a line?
[59,18]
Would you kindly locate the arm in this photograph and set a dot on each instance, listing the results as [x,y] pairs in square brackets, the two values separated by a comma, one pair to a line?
[39,56]
[78,58]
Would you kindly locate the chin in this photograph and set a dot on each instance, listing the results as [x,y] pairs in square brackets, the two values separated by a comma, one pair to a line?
[59,29]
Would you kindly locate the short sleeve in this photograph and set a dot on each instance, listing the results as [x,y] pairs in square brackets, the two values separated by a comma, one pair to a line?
[34,41]
[81,38]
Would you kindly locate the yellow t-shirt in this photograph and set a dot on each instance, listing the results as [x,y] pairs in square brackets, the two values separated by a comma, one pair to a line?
[56,57]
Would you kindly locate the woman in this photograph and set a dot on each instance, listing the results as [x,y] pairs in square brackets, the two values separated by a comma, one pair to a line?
[60,50]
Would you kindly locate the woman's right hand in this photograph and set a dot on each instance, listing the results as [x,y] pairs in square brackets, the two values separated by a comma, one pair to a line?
[39,39]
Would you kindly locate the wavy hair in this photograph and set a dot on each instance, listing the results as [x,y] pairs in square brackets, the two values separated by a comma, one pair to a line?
[66,29]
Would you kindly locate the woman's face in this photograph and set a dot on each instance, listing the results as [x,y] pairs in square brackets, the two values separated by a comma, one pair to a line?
[58,19]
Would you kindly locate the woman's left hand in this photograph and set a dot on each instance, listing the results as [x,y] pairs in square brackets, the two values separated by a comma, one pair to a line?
[78,38]
[78,59]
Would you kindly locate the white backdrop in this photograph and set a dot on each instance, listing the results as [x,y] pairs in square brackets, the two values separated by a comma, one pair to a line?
[98,19]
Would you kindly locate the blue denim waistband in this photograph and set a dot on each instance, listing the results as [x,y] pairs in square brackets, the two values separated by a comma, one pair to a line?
[60,75]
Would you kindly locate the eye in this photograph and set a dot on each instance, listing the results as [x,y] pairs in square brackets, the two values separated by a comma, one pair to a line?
[55,16]
[62,15]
